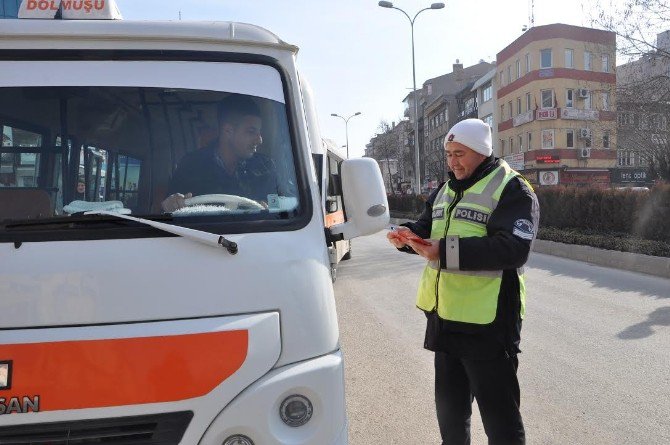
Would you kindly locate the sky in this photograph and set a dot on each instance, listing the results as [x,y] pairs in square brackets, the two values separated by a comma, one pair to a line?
[357,56]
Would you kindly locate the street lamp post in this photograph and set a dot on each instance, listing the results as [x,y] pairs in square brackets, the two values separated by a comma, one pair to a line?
[417,172]
[346,126]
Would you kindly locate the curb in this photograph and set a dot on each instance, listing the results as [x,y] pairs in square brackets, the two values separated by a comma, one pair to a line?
[634,262]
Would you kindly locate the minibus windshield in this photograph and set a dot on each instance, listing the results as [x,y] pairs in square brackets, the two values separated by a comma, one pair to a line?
[200,155]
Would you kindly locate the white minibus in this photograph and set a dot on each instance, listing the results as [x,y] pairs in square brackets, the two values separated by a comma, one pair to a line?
[122,322]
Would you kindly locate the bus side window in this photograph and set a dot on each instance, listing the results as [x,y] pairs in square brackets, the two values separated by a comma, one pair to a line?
[125,180]
[334,196]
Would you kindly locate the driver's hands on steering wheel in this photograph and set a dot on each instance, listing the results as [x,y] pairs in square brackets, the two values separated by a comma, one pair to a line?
[175,202]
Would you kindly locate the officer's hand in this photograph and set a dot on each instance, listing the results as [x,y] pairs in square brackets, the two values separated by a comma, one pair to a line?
[395,239]
[175,202]
[431,252]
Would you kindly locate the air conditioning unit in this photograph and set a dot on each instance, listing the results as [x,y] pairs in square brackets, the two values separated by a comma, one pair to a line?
[584,152]
[582,93]
[585,133]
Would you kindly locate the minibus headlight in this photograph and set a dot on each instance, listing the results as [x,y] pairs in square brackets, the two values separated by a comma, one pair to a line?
[296,410]
[238,439]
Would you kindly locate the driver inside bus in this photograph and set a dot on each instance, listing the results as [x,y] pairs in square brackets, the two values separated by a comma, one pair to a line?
[230,165]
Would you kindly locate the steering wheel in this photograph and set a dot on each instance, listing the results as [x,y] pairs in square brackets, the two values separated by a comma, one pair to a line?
[232,202]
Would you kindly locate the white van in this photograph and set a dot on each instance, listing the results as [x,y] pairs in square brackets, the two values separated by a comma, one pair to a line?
[120,323]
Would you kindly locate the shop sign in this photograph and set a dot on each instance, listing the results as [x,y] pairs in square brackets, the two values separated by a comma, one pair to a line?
[577,177]
[523,118]
[548,159]
[546,114]
[576,114]
[516,161]
[548,177]
[547,72]
[630,175]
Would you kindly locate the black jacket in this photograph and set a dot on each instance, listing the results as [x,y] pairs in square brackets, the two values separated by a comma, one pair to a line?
[506,247]
[201,173]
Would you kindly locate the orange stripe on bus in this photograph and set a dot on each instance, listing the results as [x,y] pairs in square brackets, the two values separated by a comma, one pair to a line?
[334,218]
[128,371]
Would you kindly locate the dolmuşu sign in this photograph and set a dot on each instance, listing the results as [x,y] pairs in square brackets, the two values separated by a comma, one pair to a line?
[70,9]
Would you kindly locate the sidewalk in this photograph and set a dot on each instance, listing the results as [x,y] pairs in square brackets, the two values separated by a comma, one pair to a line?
[634,262]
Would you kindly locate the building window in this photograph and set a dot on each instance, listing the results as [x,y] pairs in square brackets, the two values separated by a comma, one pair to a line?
[587,141]
[502,113]
[487,92]
[502,147]
[624,158]
[587,101]
[509,74]
[606,139]
[587,60]
[528,104]
[518,69]
[606,100]
[570,139]
[547,138]
[569,58]
[545,58]
[641,160]
[429,89]
[547,98]
[509,107]
[488,119]
[606,63]
[529,146]
[518,105]
[569,98]
[527,63]
[520,144]
[511,145]
[501,79]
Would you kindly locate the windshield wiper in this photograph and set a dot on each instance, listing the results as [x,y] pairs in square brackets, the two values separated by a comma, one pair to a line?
[211,239]
[77,218]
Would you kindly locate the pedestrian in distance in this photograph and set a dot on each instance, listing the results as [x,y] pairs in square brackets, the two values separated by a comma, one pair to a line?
[476,232]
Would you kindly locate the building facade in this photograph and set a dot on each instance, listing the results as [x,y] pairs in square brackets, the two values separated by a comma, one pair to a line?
[9,9]
[443,101]
[392,151]
[485,91]
[643,109]
[556,105]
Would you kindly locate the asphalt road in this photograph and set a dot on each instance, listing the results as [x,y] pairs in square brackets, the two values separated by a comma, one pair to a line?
[595,367]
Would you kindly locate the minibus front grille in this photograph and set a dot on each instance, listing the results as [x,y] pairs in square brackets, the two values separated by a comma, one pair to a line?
[159,429]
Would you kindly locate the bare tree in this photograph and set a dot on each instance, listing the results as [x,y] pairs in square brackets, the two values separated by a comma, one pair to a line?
[643,84]
[635,23]
[644,115]
[387,148]
[436,163]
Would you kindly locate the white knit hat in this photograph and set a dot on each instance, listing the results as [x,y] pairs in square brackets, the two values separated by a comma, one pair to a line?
[473,133]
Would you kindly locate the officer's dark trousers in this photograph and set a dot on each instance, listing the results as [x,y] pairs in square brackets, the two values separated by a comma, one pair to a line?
[493,383]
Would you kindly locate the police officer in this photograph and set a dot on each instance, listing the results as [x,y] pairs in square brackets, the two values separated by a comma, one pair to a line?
[481,224]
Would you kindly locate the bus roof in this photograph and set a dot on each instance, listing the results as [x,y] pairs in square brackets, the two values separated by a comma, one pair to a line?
[54,31]
[331,146]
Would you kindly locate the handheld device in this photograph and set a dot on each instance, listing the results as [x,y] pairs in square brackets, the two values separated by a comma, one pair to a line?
[408,235]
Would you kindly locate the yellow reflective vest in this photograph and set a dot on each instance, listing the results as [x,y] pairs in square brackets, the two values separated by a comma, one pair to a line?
[461,295]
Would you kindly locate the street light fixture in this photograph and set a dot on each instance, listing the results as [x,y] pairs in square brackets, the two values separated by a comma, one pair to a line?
[346,126]
[417,172]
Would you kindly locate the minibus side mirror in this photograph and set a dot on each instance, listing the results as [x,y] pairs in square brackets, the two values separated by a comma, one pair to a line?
[364,195]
